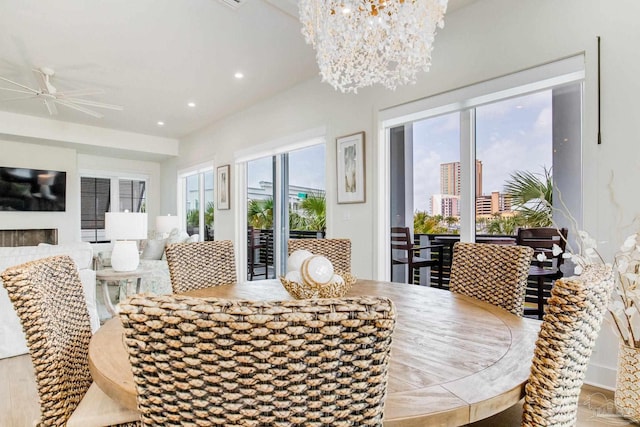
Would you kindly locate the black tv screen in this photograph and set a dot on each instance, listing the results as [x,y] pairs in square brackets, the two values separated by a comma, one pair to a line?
[32,189]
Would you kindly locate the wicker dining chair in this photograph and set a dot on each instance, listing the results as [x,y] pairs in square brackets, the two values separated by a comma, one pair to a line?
[493,273]
[200,265]
[210,361]
[338,251]
[49,299]
[565,342]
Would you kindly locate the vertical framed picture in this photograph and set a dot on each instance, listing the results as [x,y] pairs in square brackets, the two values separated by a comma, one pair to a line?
[350,168]
[223,193]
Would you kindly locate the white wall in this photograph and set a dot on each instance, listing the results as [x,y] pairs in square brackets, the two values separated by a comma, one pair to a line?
[490,38]
[32,156]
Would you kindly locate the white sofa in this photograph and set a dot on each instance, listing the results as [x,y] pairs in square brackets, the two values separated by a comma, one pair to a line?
[12,339]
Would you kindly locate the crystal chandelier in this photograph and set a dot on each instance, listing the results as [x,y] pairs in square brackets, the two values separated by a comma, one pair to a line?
[362,42]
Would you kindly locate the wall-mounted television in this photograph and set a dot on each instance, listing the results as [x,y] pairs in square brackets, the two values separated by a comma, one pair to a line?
[32,189]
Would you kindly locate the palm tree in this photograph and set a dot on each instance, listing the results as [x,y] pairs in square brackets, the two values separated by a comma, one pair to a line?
[424,223]
[260,213]
[532,196]
[315,212]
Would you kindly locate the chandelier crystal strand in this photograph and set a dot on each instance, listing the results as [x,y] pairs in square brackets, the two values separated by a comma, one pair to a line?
[360,43]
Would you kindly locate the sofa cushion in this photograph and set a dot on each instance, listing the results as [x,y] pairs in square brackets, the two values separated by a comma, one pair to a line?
[153,249]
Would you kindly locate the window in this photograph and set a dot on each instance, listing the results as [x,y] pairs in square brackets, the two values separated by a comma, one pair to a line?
[197,189]
[463,165]
[96,194]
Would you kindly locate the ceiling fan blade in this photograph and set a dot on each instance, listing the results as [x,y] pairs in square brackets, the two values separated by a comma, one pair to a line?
[19,91]
[79,92]
[93,103]
[51,106]
[79,108]
[42,84]
[19,97]
[19,85]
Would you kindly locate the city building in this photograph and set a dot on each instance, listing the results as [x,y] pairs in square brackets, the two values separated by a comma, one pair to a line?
[450,178]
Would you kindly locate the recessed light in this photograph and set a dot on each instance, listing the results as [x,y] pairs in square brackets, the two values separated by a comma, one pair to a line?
[191,104]
[160,123]
[519,107]
[238,75]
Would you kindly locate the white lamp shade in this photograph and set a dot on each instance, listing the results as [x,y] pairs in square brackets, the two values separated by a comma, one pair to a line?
[125,225]
[166,223]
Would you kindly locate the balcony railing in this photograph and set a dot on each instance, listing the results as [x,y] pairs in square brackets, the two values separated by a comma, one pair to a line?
[263,255]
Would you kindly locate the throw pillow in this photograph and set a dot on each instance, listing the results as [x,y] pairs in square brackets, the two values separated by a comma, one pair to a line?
[177,236]
[193,238]
[153,249]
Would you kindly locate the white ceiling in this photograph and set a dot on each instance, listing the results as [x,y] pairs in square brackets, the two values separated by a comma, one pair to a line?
[154,56]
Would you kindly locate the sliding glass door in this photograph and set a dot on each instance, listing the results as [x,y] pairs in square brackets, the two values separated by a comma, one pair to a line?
[478,174]
[285,199]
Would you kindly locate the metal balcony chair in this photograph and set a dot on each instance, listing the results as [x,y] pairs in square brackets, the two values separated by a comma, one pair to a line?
[403,251]
[255,266]
[542,240]
[211,361]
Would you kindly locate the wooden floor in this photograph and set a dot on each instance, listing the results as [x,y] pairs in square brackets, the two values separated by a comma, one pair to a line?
[19,400]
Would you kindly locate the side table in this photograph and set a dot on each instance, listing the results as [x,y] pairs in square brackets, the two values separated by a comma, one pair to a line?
[120,278]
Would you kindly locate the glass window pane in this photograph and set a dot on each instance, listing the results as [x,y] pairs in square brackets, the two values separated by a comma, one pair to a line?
[514,151]
[260,211]
[192,204]
[132,195]
[95,200]
[209,205]
[307,202]
[436,175]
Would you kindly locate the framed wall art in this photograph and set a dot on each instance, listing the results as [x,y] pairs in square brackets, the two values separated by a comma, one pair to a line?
[350,168]
[223,186]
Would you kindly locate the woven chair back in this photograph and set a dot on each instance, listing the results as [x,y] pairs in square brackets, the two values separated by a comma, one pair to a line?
[338,251]
[209,361]
[493,273]
[200,265]
[569,329]
[49,299]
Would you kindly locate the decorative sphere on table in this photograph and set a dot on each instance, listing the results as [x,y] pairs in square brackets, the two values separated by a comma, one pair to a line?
[295,260]
[293,276]
[316,269]
[313,276]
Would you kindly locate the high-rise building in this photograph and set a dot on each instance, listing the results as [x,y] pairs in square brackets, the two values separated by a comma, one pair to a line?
[450,178]
[445,205]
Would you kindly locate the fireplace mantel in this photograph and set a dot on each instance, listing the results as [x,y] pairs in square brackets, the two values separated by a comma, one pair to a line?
[28,237]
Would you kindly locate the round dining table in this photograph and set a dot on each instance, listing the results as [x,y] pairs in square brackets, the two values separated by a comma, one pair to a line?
[454,359]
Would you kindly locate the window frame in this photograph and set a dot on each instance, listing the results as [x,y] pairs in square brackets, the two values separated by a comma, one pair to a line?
[200,170]
[114,189]
[464,100]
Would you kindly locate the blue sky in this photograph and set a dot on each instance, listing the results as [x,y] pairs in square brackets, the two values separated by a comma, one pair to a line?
[511,135]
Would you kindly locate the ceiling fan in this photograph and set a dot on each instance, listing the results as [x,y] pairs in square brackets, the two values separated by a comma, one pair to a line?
[51,97]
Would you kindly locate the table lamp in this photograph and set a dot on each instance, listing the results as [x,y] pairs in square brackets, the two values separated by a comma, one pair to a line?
[166,223]
[125,228]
